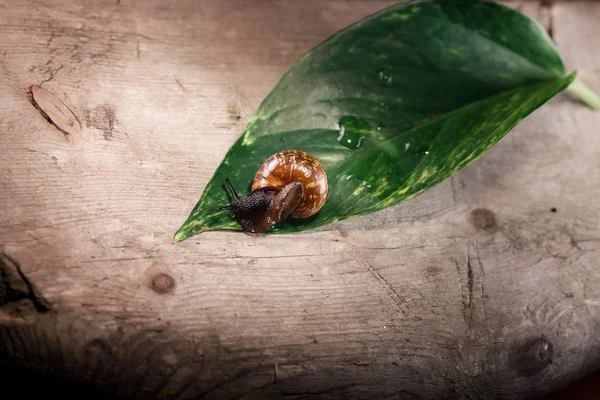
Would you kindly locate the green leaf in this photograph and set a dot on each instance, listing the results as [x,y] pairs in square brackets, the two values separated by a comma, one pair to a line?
[392,106]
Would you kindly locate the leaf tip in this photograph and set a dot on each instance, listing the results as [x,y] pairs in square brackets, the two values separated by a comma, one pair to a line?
[179,236]
[185,232]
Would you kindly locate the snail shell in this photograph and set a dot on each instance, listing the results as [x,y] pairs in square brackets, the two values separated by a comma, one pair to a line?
[289,183]
[295,166]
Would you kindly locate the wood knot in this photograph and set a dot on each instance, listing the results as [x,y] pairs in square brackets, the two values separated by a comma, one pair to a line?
[56,113]
[483,219]
[533,356]
[432,271]
[163,283]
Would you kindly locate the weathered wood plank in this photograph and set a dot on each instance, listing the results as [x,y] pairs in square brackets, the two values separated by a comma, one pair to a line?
[476,288]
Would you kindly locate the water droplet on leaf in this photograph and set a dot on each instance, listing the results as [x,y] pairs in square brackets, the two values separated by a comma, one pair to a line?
[353,131]
[385,78]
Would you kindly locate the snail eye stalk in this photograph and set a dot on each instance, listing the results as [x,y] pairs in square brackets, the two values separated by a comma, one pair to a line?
[233,194]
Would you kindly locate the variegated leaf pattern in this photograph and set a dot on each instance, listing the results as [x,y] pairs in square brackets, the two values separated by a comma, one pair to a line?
[393,105]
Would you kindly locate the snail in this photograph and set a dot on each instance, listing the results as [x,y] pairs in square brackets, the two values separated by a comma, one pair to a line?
[289,183]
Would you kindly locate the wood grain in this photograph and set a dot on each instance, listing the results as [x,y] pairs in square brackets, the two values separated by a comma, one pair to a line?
[486,286]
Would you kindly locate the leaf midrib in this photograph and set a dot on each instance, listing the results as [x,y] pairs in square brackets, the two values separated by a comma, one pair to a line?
[439,119]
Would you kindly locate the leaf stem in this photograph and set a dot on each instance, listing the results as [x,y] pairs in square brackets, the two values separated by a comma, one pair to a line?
[584,93]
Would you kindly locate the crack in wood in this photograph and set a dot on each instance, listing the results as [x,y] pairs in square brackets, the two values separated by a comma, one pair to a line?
[481,278]
[470,290]
[53,35]
[53,73]
[54,159]
[396,298]
[180,85]
[14,289]
[465,297]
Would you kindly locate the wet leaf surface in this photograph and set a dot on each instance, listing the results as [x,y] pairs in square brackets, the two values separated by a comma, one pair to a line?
[393,105]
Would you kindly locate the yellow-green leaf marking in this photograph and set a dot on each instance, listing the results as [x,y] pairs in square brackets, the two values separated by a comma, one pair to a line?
[393,105]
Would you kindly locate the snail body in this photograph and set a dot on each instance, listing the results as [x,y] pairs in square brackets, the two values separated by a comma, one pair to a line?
[290,183]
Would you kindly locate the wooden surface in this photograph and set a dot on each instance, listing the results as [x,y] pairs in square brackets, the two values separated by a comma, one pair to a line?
[486,286]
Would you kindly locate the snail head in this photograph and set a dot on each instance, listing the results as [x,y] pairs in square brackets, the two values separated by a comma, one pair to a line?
[264,207]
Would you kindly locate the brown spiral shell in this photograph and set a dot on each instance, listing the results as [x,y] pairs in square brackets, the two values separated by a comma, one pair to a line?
[295,166]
